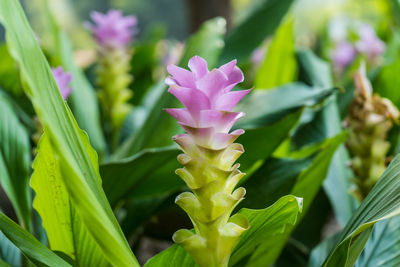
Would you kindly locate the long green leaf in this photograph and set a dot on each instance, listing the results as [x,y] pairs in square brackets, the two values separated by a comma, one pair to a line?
[383,248]
[65,231]
[327,123]
[9,253]
[80,177]
[381,203]
[279,66]
[269,105]
[15,157]
[83,98]
[32,248]
[261,22]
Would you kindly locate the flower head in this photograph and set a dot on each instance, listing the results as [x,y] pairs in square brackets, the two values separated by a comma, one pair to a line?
[369,43]
[343,55]
[113,30]
[63,79]
[208,102]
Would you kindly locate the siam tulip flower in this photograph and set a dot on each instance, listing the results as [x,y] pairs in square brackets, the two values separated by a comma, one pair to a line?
[209,158]
[343,55]
[114,33]
[112,29]
[63,79]
[370,119]
[369,44]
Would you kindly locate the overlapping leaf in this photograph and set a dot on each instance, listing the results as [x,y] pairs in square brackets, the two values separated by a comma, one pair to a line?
[80,177]
[15,161]
[29,246]
[65,231]
[381,203]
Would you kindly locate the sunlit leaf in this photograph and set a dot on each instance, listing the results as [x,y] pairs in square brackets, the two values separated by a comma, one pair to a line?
[65,231]
[261,22]
[279,66]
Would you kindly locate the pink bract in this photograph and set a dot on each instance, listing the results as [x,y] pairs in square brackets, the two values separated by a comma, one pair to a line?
[208,100]
[113,30]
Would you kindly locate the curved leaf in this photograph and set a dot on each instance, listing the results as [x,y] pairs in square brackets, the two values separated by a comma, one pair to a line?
[327,123]
[83,98]
[263,106]
[265,223]
[279,66]
[15,157]
[9,253]
[307,186]
[381,203]
[79,176]
[383,247]
[65,231]
[32,248]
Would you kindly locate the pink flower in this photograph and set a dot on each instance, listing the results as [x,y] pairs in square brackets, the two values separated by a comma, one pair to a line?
[343,55]
[62,79]
[208,101]
[369,43]
[113,30]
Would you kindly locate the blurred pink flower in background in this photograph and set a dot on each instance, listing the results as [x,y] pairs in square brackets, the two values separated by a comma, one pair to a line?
[112,29]
[343,54]
[369,44]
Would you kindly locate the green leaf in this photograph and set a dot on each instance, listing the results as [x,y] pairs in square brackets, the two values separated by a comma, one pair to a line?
[264,106]
[29,246]
[134,170]
[264,223]
[275,178]
[65,231]
[83,97]
[307,186]
[15,157]
[79,175]
[387,79]
[382,249]
[327,123]
[174,256]
[279,66]
[9,76]
[382,202]
[9,253]
[158,127]
[262,141]
[268,224]
[261,22]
